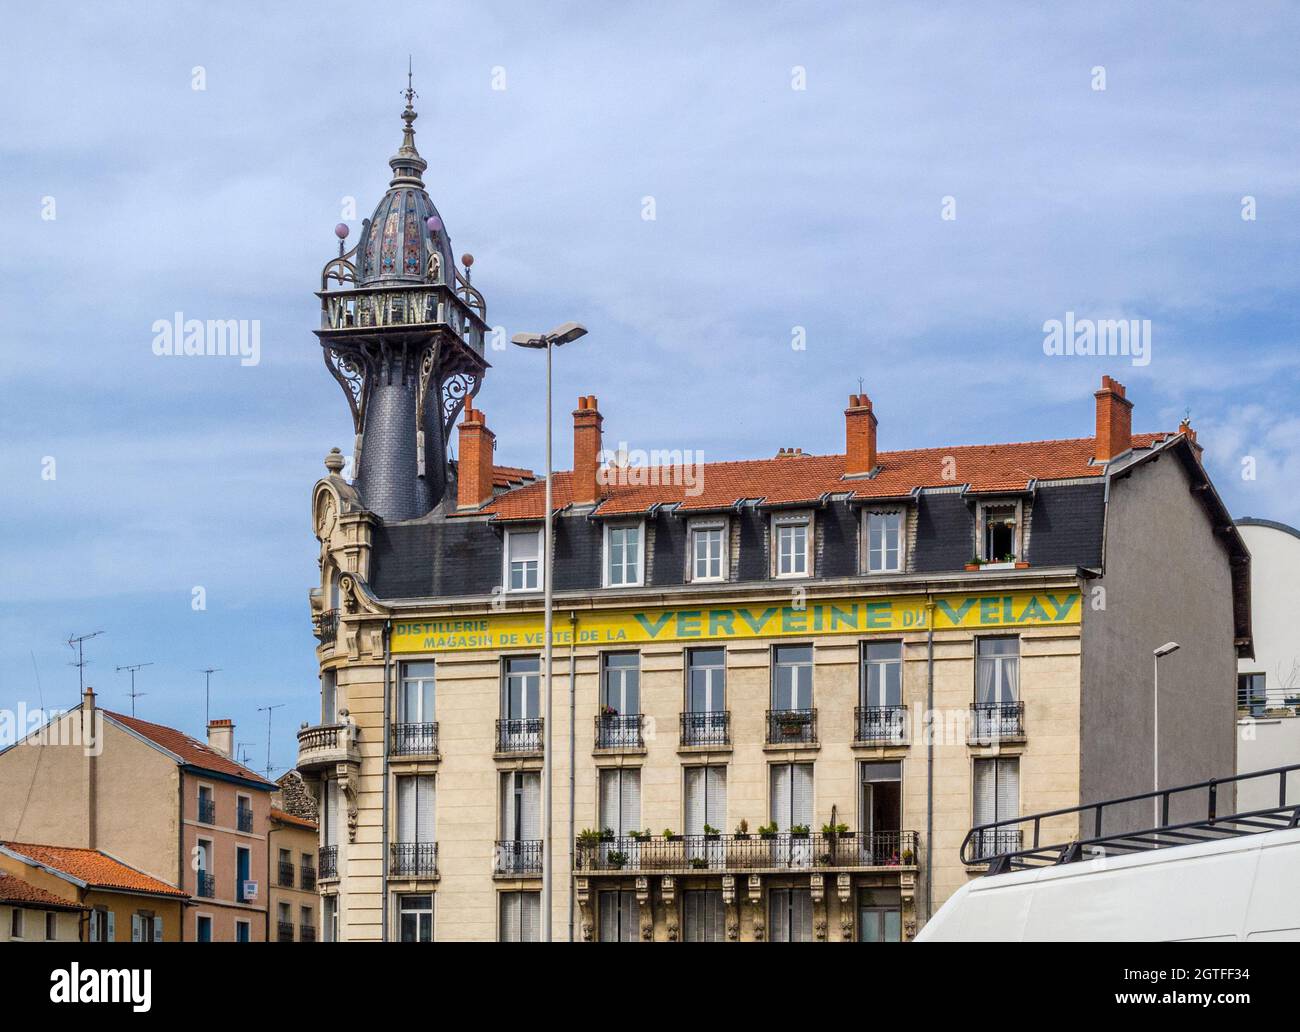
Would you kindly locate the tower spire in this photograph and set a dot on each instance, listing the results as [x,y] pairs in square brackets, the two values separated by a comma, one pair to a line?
[407,165]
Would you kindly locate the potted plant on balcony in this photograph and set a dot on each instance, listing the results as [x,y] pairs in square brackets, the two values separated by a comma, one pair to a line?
[588,837]
[767,831]
[975,563]
[698,863]
[668,835]
[793,724]
[742,830]
[831,830]
[799,831]
[710,832]
[640,836]
[607,835]
[616,859]
[608,711]
[909,858]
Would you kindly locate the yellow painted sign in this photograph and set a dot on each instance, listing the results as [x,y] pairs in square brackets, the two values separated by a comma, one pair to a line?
[735,623]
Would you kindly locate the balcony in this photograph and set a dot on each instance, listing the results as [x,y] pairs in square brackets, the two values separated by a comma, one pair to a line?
[207,810]
[996,722]
[995,841]
[327,862]
[207,885]
[327,627]
[519,736]
[706,728]
[619,731]
[792,727]
[326,745]
[772,853]
[880,725]
[308,875]
[353,316]
[518,858]
[413,860]
[286,876]
[307,933]
[414,739]
[284,931]
[244,819]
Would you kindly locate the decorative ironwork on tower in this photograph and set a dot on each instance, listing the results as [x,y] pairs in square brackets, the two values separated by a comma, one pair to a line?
[402,332]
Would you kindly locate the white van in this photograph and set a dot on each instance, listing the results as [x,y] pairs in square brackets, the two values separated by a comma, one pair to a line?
[1235,889]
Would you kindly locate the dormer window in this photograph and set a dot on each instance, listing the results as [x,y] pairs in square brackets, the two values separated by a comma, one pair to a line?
[999,531]
[884,541]
[708,551]
[523,560]
[793,541]
[624,548]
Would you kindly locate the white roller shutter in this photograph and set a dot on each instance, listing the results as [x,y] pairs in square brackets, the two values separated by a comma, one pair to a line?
[530,822]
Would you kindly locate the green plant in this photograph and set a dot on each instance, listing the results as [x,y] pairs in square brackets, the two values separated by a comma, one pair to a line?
[588,837]
[607,835]
[835,829]
[709,829]
[908,857]
[767,830]
[640,836]
[616,858]
[743,827]
[975,561]
[699,862]
[668,833]
[798,831]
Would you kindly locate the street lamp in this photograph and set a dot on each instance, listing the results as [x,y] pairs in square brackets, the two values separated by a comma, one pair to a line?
[1160,653]
[564,334]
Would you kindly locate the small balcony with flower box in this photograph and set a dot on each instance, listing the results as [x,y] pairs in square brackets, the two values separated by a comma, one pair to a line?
[619,733]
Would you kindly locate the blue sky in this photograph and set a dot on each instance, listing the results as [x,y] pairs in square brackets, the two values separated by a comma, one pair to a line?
[775,208]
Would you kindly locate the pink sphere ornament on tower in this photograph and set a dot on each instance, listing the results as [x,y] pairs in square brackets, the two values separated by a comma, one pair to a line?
[341,231]
[434,223]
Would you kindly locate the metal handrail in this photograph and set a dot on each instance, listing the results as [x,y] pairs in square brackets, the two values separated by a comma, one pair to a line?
[1214,826]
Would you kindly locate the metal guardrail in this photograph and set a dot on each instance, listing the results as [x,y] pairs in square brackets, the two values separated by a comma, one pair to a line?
[619,731]
[1086,825]
[327,862]
[706,727]
[519,735]
[880,724]
[414,739]
[413,859]
[994,721]
[754,852]
[785,727]
[518,857]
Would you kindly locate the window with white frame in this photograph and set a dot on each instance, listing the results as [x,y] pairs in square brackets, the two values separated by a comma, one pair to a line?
[996,798]
[415,918]
[885,541]
[620,800]
[415,809]
[523,560]
[415,703]
[708,555]
[520,917]
[793,540]
[998,524]
[623,555]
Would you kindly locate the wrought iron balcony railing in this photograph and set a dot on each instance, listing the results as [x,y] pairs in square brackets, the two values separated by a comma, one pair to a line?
[307,933]
[519,735]
[327,862]
[359,311]
[207,811]
[286,876]
[284,931]
[993,721]
[413,860]
[244,819]
[792,726]
[308,877]
[784,851]
[880,724]
[414,739]
[619,731]
[327,629]
[207,885]
[706,727]
[518,857]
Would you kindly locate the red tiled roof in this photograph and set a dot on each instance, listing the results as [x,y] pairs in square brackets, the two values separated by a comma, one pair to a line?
[287,818]
[14,890]
[792,479]
[95,868]
[190,750]
[511,476]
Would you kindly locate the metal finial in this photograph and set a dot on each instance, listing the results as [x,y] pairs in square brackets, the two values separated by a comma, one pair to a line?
[859,385]
[409,92]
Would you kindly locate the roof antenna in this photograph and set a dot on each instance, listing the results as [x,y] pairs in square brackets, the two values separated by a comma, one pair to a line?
[207,694]
[76,643]
[133,667]
[859,385]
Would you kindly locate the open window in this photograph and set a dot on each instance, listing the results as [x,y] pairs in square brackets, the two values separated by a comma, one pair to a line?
[998,525]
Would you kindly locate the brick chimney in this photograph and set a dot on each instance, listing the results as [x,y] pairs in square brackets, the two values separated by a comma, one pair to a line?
[88,700]
[859,436]
[586,450]
[1114,420]
[474,473]
[221,736]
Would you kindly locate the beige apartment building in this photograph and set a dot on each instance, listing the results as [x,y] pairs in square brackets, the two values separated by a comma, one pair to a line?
[784,689]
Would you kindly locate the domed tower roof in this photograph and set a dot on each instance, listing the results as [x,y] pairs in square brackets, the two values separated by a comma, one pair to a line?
[405,240]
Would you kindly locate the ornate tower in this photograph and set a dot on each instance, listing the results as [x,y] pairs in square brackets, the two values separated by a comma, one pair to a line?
[402,331]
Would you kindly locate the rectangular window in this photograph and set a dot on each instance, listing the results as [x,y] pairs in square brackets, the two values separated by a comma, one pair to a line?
[1252,695]
[523,679]
[881,813]
[880,915]
[203,929]
[882,673]
[790,916]
[330,918]
[792,674]
[415,703]
[705,719]
[706,815]
[415,809]
[329,815]
[885,541]
[792,795]
[999,532]
[415,918]
[520,917]
[243,867]
[704,917]
[997,797]
[623,556]
[521,806]
[51,927]
[620,800]
[619,921]
[329,697]
[793,545]
[620,683]
[523,551]
[16,923]
[997,670]
[207,806]
[708,552]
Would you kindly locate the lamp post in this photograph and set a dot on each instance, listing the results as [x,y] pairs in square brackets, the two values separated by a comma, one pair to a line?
[565,334]
[1158,654]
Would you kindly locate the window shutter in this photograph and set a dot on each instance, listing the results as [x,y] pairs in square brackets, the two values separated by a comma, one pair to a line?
[137,932]
[424,809]
[1008,797]
[507,806]
[510,904]
[157,929]
[628,917]
[779,918]
[608,799]
[530,823]
[695,817]
[716,800]
[405,810]
[112,927]
[631,801]
[530,923]
[94,926]
[330,812]
[802,794]
[609,917]
[781,796]
[985,792]
[801,915]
